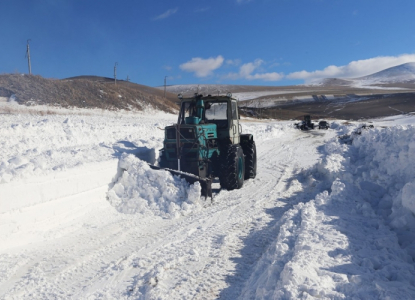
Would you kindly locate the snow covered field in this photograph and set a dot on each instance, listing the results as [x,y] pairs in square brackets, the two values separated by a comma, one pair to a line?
[326,217]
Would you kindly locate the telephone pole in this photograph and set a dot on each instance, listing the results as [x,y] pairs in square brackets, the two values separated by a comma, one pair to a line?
[28,57]
[165,77]
[115,73]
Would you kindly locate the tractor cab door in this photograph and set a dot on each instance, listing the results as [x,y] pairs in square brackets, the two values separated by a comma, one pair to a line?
[235,129]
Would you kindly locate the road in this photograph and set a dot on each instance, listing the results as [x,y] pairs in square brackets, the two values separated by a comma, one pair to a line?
[76,245]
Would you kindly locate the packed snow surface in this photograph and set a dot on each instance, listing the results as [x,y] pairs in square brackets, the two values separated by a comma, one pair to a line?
[330,214]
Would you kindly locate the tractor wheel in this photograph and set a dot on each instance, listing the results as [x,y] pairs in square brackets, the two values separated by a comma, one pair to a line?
[233,168]
[250,159]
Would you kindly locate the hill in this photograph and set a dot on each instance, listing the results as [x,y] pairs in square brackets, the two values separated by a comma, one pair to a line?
[84,92]
[404,73]
[336,98]
[400,76]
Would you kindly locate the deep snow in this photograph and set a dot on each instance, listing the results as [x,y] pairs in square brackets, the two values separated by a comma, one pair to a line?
[82,216]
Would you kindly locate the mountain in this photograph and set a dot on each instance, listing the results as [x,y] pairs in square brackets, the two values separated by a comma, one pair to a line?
[401,74]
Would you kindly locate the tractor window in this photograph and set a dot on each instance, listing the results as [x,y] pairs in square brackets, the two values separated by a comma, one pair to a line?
[217,111]
[188,109]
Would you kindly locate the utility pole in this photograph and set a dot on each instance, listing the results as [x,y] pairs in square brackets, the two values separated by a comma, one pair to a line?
[165,78]
[28,57]
[128,79]
[115,73]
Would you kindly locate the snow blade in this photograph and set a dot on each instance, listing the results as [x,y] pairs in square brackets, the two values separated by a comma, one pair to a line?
[205,183]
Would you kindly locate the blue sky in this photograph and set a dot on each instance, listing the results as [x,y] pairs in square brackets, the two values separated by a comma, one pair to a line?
[255,42]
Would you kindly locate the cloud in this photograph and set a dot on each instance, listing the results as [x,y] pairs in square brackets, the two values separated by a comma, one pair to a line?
[172,78]
[167,14]
[246,70]
[274,76]
[354,69]
[203,9]
[202,67]
[233,62]
[242,1]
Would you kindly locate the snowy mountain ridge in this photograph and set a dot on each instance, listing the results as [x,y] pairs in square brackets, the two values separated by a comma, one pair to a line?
[404,73]
[400,73]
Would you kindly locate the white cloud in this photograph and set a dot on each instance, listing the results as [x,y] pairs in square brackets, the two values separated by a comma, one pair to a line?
[233,62]
[242,1]
[167,14]
[202,67]
[273,76]
[203,9]
[172,78]
[246,70]
[355,68]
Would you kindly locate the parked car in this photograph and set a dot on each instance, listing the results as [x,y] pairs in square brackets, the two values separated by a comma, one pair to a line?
[323,125]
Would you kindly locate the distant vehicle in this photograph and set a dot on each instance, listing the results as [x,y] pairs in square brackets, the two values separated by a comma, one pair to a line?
[306,124]
[323,125]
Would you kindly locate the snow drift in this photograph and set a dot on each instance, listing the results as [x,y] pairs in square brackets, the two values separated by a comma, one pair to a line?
[142,190]
[360,228]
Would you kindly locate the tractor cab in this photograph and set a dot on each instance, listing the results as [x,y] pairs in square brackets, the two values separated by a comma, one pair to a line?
[220,110]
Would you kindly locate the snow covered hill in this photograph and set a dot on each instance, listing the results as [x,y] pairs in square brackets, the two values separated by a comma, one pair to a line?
[401,74]
[330,214]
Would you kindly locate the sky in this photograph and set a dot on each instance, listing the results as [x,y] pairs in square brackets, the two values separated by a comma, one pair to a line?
[248,42]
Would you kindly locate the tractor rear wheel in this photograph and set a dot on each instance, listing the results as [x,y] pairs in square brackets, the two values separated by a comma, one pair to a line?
[250,159]
[232,167]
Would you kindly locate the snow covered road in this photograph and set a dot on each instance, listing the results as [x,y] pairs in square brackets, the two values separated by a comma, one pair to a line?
[313,223]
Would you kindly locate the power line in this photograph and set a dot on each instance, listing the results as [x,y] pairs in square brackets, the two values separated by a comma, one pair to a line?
[165,77]
[28,57]
[115,73]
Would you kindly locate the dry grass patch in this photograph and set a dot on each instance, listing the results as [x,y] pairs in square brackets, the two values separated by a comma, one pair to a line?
[32,90]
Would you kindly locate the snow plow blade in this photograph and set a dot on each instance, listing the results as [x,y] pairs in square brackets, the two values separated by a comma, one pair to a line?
[205,183]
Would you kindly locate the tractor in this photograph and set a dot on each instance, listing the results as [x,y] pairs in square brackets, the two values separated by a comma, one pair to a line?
[306,124]
[207,143]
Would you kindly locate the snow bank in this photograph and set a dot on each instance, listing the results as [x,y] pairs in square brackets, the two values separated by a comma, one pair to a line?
[34,145]
[142,190]
[356,237]
[383,161]
[264,132]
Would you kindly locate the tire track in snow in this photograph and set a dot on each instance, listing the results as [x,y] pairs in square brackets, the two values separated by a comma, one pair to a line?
[127,256]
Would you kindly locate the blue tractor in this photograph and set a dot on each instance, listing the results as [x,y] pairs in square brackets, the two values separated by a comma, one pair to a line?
[207,143]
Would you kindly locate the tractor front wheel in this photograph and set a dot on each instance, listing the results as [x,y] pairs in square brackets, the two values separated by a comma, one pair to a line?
[232,167]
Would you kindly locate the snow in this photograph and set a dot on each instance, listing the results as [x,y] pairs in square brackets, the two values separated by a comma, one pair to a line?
[254,95]
[83,216]
[404,73]
[142,190]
